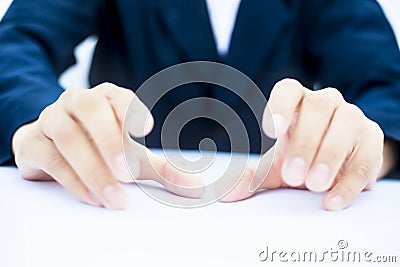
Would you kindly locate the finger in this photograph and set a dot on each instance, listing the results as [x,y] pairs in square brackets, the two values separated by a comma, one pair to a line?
[72,143]
[95,114]
[241,190]
[260,175]
[283,101]
[360,173]
[261,170]
[347,124]
[21,143]
[140,122]
[48,159]
[315,113]
[146,165]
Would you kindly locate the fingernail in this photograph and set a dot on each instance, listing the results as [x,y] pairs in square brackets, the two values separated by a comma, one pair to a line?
[115,198]
[121,169]
[318,178]
[140,124]
[336,202]
[294,171]
[149,124]
[93,198]
[280,124]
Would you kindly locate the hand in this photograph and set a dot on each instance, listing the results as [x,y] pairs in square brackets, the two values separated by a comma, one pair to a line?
[323,144]
[78,142]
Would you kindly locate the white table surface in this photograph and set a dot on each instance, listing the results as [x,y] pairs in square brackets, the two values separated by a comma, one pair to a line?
[41,224]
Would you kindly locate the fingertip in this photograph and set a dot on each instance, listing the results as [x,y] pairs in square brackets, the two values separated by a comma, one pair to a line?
[276,126]
[126,173]
[140,124]
[242,190]
[283,101]
[182,183]
[115,198]
[334,202]
[288,82]
[293,171]
[93,199]
[149,124]
[319,178]
[138,118]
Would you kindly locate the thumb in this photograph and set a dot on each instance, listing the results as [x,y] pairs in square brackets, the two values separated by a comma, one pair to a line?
[256,177]
[146,165]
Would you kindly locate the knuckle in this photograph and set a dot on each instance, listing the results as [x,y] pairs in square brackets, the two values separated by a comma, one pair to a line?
[46,114]
[303,144]
[376,131]
[86,101]
[319,100]
[54,161]
[289,82]
[36,135]
[83,101]
[333,93]
[68,94]
[64,134]
[25,140]
[330,156]
[46,120]
[104,87]
[355,111]
[351,113]
[362,172]
[287,85]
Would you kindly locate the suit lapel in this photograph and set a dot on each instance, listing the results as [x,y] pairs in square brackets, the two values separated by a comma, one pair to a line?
[188,23]
[257,25]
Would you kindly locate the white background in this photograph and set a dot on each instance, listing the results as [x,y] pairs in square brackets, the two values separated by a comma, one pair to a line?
[76,76]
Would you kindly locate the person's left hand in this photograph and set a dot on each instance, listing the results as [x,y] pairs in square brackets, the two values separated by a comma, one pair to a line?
[323,144]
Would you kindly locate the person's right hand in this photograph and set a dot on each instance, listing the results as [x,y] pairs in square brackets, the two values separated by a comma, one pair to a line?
[77,141]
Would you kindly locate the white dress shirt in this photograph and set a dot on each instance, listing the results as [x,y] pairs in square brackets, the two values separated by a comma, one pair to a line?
[222,15]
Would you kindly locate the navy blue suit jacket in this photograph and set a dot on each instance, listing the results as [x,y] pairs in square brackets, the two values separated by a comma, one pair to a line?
[344,44]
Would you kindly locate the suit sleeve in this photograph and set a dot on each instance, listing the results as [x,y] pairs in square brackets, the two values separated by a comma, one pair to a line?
[37,39]
[352,47]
